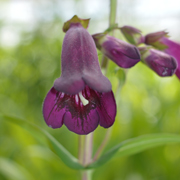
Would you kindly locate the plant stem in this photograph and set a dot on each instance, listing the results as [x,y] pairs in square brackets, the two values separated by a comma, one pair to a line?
[103,144]
[81,148]
[112,17]
[88,149]
[112,21]
[85,154]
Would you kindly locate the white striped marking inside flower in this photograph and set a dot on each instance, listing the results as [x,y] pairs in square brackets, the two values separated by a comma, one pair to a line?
[83,100]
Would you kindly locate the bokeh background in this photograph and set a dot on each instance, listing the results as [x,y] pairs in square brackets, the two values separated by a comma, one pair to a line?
[30,46]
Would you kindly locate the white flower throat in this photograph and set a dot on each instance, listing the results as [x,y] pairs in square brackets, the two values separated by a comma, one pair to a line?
[83,99]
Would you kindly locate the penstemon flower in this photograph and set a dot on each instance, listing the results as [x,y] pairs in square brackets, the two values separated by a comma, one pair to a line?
[81,98]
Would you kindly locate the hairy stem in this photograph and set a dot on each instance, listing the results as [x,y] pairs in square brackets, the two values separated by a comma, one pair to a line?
[85,154]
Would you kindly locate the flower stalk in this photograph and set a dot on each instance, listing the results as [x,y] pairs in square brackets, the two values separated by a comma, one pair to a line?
[112,21]
[85,154]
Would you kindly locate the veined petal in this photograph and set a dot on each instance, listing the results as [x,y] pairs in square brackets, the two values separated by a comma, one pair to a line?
[52,115]
[107,109]
[80,125]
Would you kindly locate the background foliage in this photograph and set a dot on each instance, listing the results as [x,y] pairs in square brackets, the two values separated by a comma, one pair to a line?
[146,104]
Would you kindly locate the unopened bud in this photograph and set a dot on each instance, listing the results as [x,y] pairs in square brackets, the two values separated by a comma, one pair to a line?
[160,62]
[155,40]
[123,54]
[132,35]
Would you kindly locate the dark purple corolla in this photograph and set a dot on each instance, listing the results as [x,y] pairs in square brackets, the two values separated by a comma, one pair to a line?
[160,62]
[160,41]
[123,54]
[81,98]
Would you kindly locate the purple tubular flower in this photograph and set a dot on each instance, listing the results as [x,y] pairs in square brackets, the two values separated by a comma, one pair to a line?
[123,54]
[81,98]
[160,62]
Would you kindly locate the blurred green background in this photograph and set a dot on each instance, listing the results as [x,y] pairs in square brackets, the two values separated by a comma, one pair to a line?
[30,46]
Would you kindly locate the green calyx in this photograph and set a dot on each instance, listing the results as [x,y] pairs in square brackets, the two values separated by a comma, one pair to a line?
[75,19]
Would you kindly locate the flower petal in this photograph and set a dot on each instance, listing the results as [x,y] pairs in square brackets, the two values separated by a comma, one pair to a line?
[69,85]
[107,110]
[79,57]
[53,117]
[97,82]
[82,126]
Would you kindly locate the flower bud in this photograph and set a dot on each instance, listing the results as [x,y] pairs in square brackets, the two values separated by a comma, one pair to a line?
[132,35]
[160,62]
[154,39]
[123,54]
[173,50]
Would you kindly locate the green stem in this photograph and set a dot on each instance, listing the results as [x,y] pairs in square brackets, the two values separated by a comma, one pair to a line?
[87,158]
[81,148]
[85,154]
[112,20]
[112,17]
[103,144]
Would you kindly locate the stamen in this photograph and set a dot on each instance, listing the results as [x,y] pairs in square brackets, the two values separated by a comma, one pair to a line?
[76,98]
[83,100]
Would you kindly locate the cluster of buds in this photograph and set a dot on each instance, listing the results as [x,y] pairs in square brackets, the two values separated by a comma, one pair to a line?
[157,51]
[169,48]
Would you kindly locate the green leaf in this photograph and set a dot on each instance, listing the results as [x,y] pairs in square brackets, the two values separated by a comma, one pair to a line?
[55,146]
[136,145]
[13,171]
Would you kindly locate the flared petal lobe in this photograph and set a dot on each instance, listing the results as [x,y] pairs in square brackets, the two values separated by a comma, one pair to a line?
[59,108]
[79,59]
[52,116]
[107,110]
